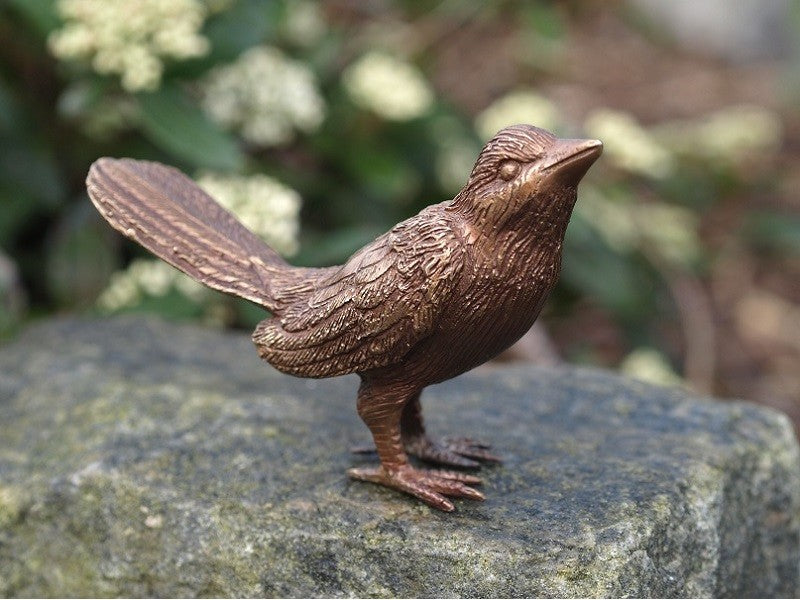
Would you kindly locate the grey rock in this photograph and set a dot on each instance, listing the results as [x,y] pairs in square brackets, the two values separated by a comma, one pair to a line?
[139,458]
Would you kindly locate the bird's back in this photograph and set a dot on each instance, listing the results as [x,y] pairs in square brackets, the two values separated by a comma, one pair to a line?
[371,311]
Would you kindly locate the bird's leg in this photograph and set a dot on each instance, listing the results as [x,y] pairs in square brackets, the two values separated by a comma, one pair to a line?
[380,408]
[457,452]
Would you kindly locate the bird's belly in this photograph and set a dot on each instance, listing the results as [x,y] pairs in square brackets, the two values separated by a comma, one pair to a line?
[478,331]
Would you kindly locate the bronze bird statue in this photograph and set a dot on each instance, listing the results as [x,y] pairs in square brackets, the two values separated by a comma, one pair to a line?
[437,295]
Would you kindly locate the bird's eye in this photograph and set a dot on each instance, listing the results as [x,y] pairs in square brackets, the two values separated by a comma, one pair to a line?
[508,169]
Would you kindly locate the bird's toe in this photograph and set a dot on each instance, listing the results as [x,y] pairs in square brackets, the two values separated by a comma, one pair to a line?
[454,452]
[431,486]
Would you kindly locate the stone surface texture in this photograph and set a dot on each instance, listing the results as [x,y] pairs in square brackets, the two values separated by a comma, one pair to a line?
[139,458]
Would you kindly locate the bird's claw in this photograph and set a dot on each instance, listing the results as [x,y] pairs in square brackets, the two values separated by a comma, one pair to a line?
[456,452]
[429,485]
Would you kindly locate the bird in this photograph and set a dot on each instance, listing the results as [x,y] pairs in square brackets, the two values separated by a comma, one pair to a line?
[437,295]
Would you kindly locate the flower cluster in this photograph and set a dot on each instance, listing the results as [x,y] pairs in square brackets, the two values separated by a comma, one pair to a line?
[264,205]
[650,365]
[265,95]
[391,88]
[146,277]
[628,145]
[304,23]
[130,38]
[522,106]
[724,136]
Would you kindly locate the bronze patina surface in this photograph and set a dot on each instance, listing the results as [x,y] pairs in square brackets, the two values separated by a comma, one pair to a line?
[437,295]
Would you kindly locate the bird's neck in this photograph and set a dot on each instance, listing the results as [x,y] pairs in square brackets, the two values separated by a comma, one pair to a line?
[538,227]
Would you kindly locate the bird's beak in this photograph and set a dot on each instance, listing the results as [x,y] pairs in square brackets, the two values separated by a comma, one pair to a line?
[569,160]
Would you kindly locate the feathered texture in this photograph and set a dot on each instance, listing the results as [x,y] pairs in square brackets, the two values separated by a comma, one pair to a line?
[522,143]
[167,213]
[372,310]
[437,295]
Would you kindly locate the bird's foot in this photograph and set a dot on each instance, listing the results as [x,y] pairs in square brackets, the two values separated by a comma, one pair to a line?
[455,452]
[429,485]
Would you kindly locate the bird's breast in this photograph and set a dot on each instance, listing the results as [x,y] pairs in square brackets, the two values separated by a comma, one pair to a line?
[493,307]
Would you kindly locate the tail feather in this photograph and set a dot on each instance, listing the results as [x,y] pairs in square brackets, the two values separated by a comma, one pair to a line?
[166,212]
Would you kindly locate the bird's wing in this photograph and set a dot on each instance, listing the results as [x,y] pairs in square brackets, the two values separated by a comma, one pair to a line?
[371,311]
[167,213]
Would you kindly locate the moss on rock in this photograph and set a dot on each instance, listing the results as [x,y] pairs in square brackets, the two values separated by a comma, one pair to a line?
[143,459]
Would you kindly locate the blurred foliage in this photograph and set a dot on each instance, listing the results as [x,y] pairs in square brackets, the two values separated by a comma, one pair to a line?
[338,104]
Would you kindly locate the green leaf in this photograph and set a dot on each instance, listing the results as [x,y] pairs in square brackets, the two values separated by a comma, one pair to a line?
[173,306]
[80,257]
[31,181]
[245,24]
[774,231]
[336,246]
[545,19]
[179,127]
[248,314]
[9,110]
[16,209]
[41,14]
[597,271]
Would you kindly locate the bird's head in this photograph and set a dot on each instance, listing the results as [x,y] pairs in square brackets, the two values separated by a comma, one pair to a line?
[526,175]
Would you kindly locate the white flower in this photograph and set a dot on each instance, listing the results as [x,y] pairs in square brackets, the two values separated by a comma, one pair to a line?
[727,135]
[628,144]
[265,95]
[648,364]
[522,106]
[304,23]
[671,231]
[148,277]
[142,277]
[262,204]
[390,87]
[130,38]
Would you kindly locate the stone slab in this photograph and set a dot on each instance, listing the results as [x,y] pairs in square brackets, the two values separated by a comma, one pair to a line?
[139,458]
